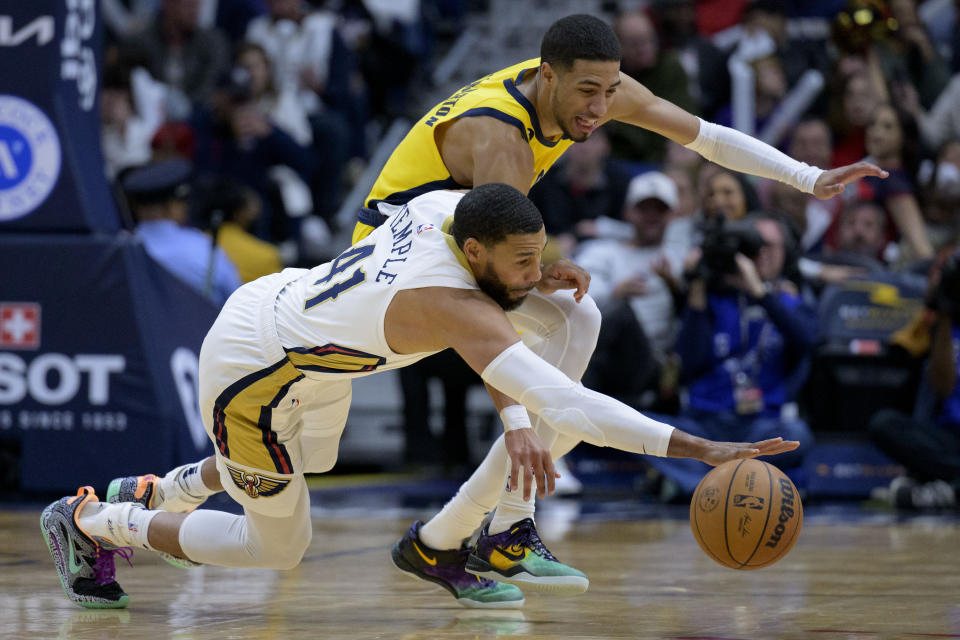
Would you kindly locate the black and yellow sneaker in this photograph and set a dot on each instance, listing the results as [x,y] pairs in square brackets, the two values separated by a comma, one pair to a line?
[446,568]
[518,556]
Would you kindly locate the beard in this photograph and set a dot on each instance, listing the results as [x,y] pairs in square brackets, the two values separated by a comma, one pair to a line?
[491,285]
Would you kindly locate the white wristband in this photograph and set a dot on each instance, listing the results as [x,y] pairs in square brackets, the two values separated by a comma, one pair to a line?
[514,417]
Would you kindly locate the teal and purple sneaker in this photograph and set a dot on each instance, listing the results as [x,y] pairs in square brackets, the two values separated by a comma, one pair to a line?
[143,490]
[518,556]
[446,568]
[84,564]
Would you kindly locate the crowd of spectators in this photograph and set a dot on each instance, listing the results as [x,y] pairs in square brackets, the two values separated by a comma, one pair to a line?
[274,103]
[710,283]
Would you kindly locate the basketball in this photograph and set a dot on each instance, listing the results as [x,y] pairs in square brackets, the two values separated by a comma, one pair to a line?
[746,514]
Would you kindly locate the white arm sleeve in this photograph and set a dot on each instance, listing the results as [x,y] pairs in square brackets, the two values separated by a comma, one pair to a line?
[572,409]
[735,150]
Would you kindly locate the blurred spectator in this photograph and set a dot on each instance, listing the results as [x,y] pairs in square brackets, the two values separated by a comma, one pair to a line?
[658,71]
[392,42]
[928,443]
[236,139]
[910,58]
[179,53]
[633,283]
[281,105]
[230,210]
[811,143]
[581,198]
[727,194]
[131,112]
[158,194]
[940,182]
[861,235]
[687,201]
[743,342]
[310,60]
[853,98]
[681,234]
[893,144]
[894,45]
[775,80]
[705,65]
[796,55]
[300,43]
[126,19]
[942,122]
[231,17]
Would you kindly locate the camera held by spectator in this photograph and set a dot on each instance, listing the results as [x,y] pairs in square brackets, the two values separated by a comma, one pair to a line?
[722,241]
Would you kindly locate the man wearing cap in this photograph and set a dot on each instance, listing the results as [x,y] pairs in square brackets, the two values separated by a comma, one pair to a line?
[630,283]
[158,198]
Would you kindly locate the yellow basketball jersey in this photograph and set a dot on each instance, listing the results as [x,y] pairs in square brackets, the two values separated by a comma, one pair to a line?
[416,167]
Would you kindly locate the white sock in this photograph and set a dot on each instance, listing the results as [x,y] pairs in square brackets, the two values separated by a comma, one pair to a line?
[124,524]
[456,521]
[182,489]
[460,517]
[512,508]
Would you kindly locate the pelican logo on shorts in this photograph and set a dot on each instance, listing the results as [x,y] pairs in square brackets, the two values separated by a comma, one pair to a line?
[747,501]
[256,485]
[29,157]
[709,499]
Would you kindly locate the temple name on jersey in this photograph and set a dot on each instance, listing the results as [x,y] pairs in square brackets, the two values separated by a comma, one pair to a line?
[400,227]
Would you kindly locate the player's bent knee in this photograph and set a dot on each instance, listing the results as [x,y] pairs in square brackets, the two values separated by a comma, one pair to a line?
[584,318]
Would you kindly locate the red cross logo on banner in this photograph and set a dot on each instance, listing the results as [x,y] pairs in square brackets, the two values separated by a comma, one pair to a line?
[19,325]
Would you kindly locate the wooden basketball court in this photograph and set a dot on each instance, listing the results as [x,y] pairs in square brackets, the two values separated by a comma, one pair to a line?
[852,576]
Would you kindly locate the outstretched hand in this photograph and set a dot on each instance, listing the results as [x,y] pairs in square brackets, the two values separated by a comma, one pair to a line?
[831,183]
[720,452]
[564,274]
[528,453]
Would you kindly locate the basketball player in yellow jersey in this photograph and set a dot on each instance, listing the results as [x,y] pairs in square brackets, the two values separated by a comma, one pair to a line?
[511,126]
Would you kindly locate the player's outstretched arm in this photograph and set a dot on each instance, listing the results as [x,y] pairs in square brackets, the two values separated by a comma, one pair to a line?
[637,105]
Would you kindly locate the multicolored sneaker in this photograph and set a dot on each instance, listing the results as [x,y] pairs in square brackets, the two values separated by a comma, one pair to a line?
[445,568]
[519,557]
[85,565]
[143,490]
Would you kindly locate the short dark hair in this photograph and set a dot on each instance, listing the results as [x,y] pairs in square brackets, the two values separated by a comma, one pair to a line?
[578,37]
[493,211]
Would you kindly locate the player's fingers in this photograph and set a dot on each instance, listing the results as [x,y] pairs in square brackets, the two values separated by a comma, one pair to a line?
[551,474]
[514,474]
[770,442]
[787,445]
[527,481]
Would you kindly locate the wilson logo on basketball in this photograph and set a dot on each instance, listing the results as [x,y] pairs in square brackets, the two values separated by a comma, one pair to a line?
[786,512]
[710,499]
[748,502]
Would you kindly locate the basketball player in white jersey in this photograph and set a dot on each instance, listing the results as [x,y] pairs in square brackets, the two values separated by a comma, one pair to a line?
[275,372]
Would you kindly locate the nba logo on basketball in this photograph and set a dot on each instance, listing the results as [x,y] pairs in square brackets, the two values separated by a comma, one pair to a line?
[19,325]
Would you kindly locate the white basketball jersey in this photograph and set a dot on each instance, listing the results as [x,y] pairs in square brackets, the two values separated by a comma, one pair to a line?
[330,318]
